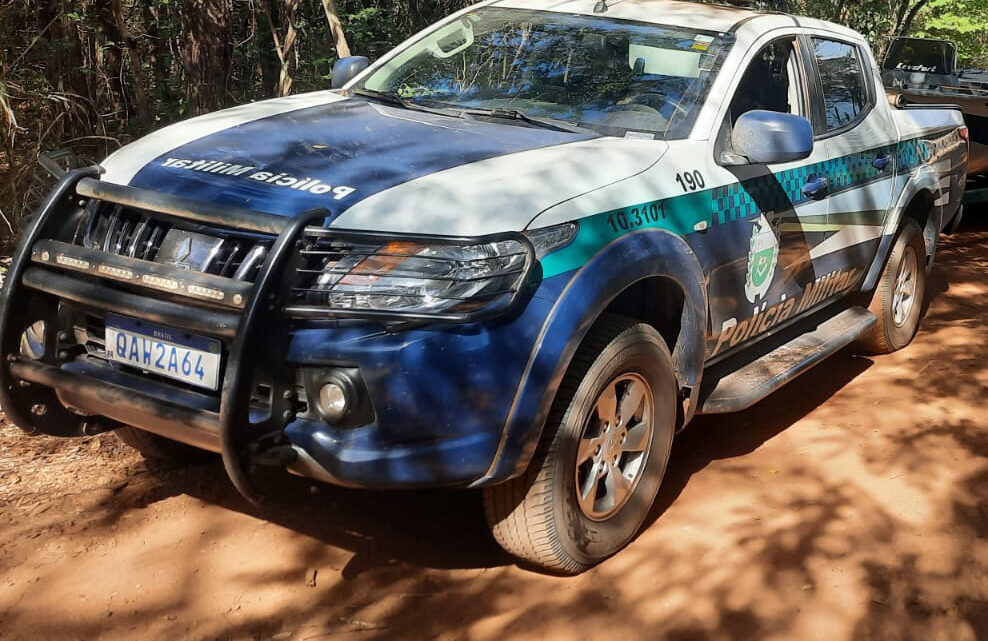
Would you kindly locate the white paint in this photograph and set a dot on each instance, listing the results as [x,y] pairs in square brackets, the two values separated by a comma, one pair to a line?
[848,236]
[123,165]
[913,123]
[502,193]
[871,197]
[687,14]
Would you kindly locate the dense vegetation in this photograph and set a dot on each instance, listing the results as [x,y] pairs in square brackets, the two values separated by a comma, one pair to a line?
[90,75]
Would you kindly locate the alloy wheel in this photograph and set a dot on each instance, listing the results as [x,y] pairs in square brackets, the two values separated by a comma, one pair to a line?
[614,446]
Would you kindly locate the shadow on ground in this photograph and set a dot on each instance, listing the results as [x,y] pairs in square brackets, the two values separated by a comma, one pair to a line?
[851,505]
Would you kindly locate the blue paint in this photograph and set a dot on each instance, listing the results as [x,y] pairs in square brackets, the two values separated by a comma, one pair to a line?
[448,398]
[632,258]
[351,143]
[159,332]
[441,395]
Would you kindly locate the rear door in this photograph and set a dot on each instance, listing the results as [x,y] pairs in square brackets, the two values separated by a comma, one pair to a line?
[858,137]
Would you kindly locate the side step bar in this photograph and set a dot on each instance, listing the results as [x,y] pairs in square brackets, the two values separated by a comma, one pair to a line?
[744,387]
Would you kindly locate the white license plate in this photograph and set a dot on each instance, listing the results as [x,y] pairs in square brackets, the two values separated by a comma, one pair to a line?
[161,350]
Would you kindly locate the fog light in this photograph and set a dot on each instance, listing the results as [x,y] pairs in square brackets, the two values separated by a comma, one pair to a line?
[71,261]
[333,401]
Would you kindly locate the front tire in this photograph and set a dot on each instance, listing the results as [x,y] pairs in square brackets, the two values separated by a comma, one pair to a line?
[602,455]
[898,298]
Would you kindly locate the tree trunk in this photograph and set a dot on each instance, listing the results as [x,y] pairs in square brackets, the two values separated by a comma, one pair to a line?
[206,53]
[904,15]
[336,28]
[907,22]
[66,55]
[286,81]
[108,57]
[283,49]
[137,74]
[154,55]
[268,63]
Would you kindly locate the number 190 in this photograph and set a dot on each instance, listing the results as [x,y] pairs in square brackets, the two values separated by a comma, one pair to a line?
[691,180]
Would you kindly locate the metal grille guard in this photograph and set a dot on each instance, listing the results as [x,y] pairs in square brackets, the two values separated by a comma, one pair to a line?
[33,387]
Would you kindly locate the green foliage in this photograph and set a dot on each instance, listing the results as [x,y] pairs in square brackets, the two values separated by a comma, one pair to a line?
[963,21]
[369,32]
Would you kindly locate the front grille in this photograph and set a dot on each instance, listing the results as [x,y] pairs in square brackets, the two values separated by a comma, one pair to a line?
[92,335]
[120,231]
[124,231]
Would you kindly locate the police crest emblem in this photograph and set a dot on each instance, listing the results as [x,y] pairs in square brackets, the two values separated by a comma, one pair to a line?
[763,257]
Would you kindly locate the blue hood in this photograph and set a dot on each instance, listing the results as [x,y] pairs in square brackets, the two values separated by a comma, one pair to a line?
[331,155]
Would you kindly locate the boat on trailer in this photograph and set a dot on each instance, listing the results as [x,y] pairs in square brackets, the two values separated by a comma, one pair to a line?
[925,71]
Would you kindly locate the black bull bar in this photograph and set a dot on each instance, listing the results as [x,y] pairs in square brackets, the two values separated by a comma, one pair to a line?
[33,390]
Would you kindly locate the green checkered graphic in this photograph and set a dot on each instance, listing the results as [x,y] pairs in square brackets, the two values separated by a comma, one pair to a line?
[739,200]
[682,215]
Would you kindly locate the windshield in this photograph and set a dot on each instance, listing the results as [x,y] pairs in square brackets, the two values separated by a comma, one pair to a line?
[616,77]
[929,56]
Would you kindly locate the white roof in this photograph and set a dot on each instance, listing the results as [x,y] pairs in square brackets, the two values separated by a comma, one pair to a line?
[685,14]
[692,15]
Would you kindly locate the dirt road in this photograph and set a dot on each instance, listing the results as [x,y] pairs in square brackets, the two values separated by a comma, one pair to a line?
[852,505]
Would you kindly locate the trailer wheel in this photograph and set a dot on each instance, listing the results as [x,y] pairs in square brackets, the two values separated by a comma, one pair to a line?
[602,455]
[898,298]
[160,449]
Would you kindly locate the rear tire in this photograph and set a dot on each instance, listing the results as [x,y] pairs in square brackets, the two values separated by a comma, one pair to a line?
[898,298]
[601,458]
[160,449]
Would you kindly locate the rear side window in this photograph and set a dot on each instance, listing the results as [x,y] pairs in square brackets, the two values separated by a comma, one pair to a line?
[845,92]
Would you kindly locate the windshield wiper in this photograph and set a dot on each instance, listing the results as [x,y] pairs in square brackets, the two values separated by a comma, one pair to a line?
[395,100]
[514,114]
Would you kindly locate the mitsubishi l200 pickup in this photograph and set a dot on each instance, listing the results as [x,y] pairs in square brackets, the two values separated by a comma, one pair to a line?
[519,252]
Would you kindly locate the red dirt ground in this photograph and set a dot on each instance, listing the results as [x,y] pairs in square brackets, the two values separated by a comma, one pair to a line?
[851,505]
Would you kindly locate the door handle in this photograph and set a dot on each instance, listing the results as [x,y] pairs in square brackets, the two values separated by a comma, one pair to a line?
[817,187]
[881,163]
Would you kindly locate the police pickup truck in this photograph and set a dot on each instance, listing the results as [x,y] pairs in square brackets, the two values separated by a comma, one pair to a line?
[518,253]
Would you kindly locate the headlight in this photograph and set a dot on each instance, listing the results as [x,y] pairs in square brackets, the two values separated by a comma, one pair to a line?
[351,274]
[550,239]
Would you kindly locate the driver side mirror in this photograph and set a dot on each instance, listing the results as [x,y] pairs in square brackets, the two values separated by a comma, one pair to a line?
[346,69]
[767,137]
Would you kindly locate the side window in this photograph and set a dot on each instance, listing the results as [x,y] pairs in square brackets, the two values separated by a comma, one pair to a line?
[771,82]
[845,92]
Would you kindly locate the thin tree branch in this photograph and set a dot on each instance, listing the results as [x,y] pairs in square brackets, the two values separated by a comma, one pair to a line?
[34,41]
[336,28]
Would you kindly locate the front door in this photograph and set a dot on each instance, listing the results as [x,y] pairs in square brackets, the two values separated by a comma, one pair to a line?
[767,213]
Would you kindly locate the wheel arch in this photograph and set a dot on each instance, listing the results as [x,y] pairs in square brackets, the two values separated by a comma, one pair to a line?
[917,202]
[660,301]
[923,209]
[654,264]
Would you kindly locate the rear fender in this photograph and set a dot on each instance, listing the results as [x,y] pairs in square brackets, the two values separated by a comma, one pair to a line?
[925,180]
[617,266]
